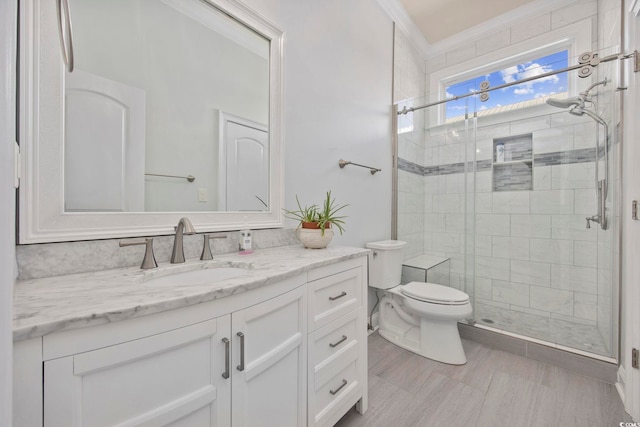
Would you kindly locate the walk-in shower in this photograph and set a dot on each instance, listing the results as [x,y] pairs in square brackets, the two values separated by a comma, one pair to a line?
[503,194]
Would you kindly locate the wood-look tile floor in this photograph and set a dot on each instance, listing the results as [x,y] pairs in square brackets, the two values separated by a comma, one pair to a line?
[493,389]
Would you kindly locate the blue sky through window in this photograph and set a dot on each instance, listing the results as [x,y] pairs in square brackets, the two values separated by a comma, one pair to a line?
[518,93]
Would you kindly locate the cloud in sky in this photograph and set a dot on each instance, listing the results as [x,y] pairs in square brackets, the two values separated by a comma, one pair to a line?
[525,71]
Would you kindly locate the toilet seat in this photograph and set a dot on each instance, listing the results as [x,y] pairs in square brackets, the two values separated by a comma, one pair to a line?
[434,294]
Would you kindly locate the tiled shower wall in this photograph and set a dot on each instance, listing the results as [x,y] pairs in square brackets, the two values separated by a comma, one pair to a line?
[409,83]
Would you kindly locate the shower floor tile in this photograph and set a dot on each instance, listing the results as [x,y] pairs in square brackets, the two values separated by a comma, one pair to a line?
[557,331]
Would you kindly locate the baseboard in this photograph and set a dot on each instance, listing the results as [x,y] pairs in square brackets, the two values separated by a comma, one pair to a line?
[584,365]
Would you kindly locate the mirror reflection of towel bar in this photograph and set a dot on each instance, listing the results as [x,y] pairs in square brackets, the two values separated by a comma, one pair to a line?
[189,178]
[343,163]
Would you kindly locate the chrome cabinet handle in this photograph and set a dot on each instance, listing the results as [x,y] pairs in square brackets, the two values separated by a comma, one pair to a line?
[225,374]
[334,392]
[66,33]
[337,343]
[343,294]
[241,365]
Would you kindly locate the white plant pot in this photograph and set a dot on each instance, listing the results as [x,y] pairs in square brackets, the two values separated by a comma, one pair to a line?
[313,238]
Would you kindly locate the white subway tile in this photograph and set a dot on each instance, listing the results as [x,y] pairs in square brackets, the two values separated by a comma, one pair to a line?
[484,203]
[573,13]
[585,306]
[483,288]
[483,182]
[553,140]
[552,202]
[532,27]
[447,242]
[454,183]
[531,273]
[572,278]
[531,225]
[552,300]
[447,203]
[483,244]
[572,227]
[494,131]
[576,175]
[586,254]
[542,178]
[454,223]
[492,42]
[484,149]
[492,268]
[585,135]
[585,202]
[519,127]
[510,247]
[463,53]
[510,293]
[552,251]
[434,222]
[493,224]
[511,202]
[450,153]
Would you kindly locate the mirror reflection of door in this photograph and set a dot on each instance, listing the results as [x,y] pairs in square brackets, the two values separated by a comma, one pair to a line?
[244,165]
[104,146]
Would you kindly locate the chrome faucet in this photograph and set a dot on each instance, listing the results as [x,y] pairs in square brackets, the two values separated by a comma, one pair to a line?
[184,227]
[594,218]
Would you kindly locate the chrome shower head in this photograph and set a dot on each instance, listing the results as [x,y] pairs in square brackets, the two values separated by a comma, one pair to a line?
[580,111]
[576,101]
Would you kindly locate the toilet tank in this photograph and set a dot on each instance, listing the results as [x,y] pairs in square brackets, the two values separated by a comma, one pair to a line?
[385,263]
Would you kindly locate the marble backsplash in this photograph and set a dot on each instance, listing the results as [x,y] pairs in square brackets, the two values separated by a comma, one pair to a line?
[57,259]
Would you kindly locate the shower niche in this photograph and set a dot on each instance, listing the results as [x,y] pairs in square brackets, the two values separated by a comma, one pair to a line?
[512,166]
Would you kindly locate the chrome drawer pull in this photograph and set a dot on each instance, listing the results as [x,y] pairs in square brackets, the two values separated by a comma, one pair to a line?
[343,294]
[225,374]
[241,365]
[334,392]
[334,345]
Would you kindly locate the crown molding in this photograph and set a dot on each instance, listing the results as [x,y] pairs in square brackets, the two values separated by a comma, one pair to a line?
[493,25]
[399,15]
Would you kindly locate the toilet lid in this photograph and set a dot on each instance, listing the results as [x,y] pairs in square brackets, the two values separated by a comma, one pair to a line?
[435,294]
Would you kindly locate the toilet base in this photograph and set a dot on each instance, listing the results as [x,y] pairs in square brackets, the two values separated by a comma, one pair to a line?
[431,338]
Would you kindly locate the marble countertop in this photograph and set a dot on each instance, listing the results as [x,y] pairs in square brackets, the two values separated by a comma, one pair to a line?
[43,306]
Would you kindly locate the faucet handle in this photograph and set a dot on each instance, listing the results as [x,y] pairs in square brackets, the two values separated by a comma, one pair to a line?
[149,260]
[206,249]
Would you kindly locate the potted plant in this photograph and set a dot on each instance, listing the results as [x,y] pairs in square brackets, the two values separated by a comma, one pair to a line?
[314,230]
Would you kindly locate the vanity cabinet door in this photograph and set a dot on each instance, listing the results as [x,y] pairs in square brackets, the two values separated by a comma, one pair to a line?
[269,375]
[169,379]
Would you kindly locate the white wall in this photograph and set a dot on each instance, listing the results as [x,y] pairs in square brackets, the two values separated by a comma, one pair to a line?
[338,70]
[8,13]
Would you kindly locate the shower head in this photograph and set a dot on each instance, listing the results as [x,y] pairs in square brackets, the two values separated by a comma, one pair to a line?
[577,101]
[581,111]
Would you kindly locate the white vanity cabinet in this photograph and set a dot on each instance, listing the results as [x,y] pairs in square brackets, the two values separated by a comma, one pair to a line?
[246,368]
[292,353]
[337,341]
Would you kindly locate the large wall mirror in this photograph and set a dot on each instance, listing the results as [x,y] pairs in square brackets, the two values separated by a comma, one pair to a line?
[137,112]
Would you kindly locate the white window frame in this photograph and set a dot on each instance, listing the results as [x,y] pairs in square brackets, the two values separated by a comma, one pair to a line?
[576,38]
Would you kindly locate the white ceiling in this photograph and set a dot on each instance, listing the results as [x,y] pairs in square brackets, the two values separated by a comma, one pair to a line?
[441,19]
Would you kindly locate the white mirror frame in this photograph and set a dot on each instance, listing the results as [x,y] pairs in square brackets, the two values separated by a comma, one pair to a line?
[41,205]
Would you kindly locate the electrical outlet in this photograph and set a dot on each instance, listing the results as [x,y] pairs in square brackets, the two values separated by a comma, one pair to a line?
[202,195]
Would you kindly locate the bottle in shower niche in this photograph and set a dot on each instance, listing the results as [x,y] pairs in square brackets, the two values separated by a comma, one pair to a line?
[245,242]
[500,153]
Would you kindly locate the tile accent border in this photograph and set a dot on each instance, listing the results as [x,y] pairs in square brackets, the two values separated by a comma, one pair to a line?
[583,155]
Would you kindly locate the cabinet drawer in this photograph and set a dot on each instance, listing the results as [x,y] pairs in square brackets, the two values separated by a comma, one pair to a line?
[331,340]
[334,392]
[334,296]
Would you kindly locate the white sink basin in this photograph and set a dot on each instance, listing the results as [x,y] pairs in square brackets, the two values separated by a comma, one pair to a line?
[197,277]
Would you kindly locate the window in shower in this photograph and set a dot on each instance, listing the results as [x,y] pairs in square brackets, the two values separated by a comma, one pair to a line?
[513,97]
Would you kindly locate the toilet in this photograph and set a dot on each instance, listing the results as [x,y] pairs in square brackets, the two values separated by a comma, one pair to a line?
[420,317]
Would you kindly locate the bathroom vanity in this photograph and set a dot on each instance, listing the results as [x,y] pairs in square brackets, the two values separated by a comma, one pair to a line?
[275,338]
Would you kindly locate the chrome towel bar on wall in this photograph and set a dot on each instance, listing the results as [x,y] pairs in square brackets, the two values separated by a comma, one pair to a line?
[342,163]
